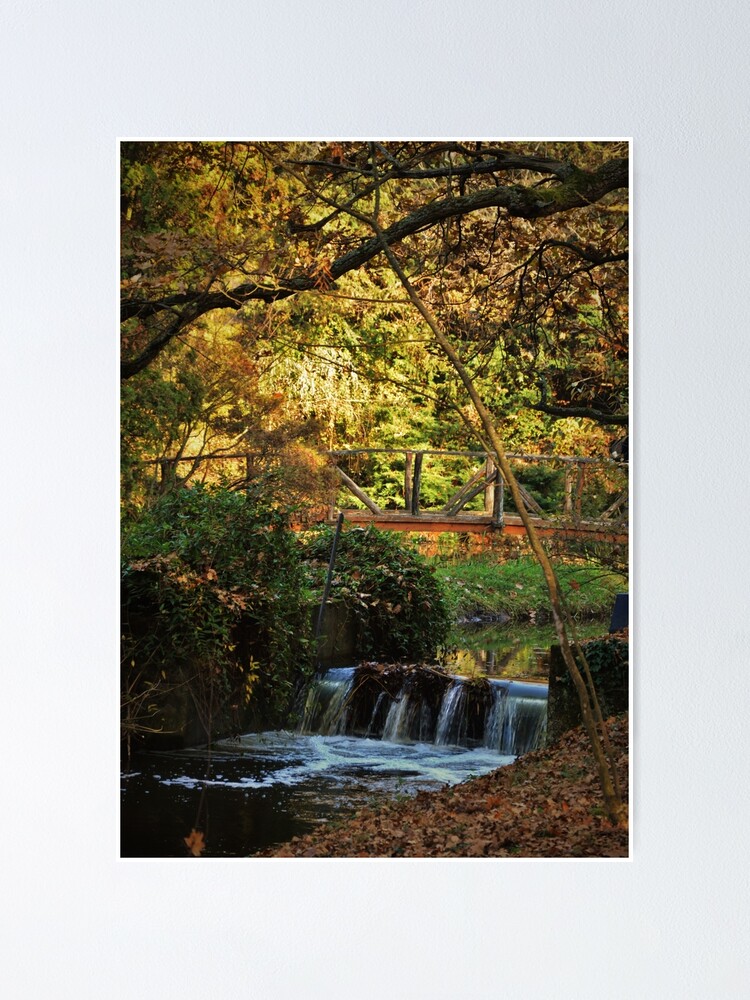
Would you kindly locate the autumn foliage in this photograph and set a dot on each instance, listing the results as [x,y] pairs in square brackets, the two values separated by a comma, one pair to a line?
[545,805]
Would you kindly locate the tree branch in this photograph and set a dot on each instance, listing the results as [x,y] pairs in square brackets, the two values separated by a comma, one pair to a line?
[621,420]
[578,190]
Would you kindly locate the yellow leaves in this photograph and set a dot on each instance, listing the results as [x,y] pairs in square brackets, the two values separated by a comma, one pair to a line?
[251,678]
[232,600]
[195,843]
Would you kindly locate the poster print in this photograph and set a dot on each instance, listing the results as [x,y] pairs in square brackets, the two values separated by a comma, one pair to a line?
[375,485]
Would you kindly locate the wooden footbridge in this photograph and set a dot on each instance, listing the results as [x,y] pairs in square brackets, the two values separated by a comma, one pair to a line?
[597,485]
[610,525]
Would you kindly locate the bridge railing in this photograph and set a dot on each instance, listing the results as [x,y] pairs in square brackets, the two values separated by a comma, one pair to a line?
[420,482]
[430,481]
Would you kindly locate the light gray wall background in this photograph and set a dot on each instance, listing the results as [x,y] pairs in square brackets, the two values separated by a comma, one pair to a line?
[671,922]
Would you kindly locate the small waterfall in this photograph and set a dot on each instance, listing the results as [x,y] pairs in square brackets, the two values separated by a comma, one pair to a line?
[516,719]
[374,727]
[508,717]
[396,728]
[451,723]
[327,704]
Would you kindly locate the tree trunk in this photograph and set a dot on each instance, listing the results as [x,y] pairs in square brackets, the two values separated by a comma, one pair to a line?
[590,711]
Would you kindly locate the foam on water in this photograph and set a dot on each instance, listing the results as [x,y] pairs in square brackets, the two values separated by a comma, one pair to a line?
[343,759]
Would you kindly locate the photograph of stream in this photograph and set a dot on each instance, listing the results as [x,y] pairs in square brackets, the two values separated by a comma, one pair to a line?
[372,588]
[374,497]
[259,789]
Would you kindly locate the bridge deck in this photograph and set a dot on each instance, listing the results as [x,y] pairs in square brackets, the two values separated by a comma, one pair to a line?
[430,523]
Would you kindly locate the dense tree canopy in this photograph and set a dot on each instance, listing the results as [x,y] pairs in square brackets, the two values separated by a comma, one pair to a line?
[258,307]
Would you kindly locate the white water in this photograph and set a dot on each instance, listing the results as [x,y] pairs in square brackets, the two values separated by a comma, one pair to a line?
[263,788]
[329,693]
[514,721]
[451,724]
[517,717]
[293,759]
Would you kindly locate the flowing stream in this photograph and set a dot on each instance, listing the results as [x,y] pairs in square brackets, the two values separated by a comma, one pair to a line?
[358,743]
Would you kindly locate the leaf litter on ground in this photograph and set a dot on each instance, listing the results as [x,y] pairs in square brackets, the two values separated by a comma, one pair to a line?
[547,804]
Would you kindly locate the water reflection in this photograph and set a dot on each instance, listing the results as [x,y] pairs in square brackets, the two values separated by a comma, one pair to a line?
[514,652]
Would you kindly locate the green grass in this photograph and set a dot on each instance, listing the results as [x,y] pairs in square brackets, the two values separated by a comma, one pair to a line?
[483,586]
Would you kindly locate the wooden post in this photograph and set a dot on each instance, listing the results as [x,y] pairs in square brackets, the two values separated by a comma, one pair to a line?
[497,506]
[408,467]
[327,588]
[490,478]
[579,493]
[358,493]
[416,483]
[568,489]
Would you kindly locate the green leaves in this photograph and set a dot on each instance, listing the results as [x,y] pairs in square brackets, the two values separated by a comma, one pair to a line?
[212,587]
[394,595]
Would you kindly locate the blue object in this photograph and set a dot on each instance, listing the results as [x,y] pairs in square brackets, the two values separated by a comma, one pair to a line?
[619,613]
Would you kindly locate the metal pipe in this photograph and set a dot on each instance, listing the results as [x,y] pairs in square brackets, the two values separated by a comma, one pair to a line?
[329,576]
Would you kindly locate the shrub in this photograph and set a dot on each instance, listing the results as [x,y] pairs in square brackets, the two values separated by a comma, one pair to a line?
[608,662]
[396,599]
[212,590]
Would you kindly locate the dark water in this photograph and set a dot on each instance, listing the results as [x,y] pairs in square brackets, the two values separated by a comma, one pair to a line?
[264,788]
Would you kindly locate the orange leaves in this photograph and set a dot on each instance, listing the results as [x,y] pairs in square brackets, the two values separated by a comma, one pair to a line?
[195,843]
[322,276]
[159,564]
[232,600]
[545,805]
[171,569]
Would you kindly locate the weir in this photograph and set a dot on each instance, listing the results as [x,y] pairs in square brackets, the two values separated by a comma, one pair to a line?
[427,706]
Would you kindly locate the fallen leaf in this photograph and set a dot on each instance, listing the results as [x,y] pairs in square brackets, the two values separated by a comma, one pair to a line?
[195,843]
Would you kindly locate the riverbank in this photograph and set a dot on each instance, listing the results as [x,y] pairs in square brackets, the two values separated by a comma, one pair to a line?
[545,805]
[486,589]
